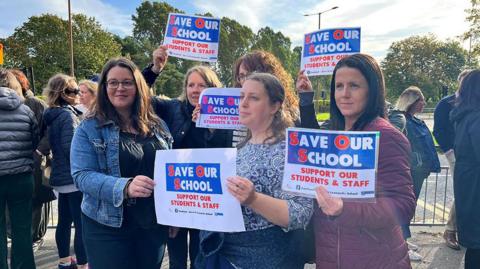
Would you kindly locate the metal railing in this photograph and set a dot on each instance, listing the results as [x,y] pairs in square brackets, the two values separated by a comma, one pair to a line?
[433,205]
[435,200]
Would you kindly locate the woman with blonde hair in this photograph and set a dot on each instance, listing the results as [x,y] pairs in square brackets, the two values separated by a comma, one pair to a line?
[424,158]
[19,133]
[88,93]
[186,135]
[62,118]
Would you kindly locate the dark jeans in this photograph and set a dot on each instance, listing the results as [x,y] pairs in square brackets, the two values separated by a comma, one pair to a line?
[123,248]
[418,177]
[69,211]
[178,248]
[16,194]
[472,258]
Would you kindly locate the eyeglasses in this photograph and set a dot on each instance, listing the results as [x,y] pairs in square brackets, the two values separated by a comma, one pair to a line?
[242,77]
[114,84]
[72,91]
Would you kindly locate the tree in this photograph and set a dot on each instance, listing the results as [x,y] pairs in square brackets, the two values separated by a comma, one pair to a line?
[279,45]
[473,33]
[42,42]
[92,46]
[423,61]
[235,41]
[150,21]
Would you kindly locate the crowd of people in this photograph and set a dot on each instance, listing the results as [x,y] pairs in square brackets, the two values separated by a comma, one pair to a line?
[102,138]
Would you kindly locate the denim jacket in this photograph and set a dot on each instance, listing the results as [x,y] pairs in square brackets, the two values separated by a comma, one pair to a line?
[424,156]
[96,170]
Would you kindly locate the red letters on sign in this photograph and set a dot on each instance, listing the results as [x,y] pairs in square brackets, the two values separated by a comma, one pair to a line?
[338,34]
[342,142]
[200,23]
[302,155]
[293,138]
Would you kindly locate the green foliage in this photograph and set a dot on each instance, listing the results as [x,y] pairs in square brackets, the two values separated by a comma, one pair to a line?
[235,41]
[473,33]
[150,21]
[170,82]
[278,44]
[42,42]
[423,61]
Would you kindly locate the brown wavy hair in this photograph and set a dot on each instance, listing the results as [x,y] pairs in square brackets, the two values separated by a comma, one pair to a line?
[276,94]
[22,79]
[265,62]
[56,86]
[143,117]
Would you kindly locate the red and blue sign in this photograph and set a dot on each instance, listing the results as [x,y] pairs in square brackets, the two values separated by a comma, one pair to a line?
[203,178]
[192,37]
[352,151]
[193,28]
[219,105]
[324,48]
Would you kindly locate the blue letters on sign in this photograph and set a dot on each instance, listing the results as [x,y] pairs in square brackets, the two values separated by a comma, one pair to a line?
[194,28]
[332,41]
[201,178]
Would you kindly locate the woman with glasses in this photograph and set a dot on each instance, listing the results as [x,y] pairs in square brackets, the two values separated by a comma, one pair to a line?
[265,62]
[62,118]
[113,157]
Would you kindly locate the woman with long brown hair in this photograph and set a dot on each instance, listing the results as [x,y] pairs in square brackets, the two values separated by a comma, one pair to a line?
[113,155]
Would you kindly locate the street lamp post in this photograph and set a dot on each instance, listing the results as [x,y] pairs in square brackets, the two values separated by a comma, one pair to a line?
[319,27]
[72,70]
[320,15]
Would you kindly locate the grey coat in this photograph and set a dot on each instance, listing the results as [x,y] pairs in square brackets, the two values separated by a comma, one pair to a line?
[18,134]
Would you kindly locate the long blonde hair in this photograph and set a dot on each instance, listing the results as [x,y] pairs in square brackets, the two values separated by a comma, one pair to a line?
[408,97]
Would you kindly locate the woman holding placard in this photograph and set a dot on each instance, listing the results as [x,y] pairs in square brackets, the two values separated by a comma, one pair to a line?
[355,234]
[112,161]
[187,135]
[269,213]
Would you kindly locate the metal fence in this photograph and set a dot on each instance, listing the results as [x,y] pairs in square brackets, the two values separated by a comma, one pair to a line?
[433,205]
[435,199]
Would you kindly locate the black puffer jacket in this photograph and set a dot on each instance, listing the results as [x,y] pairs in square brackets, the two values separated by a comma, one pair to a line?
[466,177]
[18,134]
[61,124]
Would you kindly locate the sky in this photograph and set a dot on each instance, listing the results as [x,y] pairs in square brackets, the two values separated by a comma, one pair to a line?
[382,21]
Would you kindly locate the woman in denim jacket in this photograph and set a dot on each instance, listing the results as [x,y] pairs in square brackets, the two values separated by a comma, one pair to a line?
[113,155]
[424,158]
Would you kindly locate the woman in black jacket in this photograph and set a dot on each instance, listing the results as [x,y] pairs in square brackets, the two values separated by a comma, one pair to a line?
[19,139]
[466,178]
[61,119]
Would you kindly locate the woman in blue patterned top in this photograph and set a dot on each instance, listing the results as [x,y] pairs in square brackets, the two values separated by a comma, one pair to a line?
[270,214]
